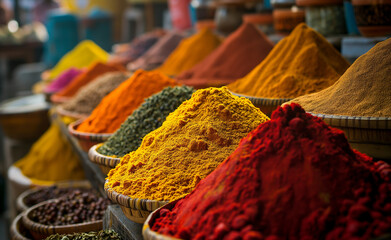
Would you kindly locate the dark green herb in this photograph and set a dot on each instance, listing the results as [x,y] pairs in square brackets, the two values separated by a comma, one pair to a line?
[101,235]
[149,116]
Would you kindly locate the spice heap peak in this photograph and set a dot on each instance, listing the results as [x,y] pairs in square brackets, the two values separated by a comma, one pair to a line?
[115,107]
[189,52]
[234,58]
[363,90]
[149,116]
[302,63]
[302,181]
[190,144]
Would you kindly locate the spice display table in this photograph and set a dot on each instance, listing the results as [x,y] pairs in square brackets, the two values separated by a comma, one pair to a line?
[115,219]
[92,171]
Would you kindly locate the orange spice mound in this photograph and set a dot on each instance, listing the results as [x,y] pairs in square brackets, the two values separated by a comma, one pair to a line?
[93,71]
[114,109]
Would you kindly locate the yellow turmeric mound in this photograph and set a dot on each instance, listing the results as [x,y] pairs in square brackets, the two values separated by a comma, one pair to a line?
[189,145]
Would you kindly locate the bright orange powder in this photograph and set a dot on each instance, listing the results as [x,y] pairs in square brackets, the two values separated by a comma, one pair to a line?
[115,108]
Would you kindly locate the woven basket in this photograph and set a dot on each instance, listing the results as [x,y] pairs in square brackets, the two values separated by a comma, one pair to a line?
[87,140]
[18,231]
[104,162]
[64,113]
[267,105]
[136,210]
[20,201]
[148,234]
[370,135]
[40,231]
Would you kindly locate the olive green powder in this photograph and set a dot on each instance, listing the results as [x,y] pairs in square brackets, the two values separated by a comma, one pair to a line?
[148,117]
[101,235]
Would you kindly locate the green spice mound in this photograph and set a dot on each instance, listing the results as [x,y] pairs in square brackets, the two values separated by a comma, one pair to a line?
[101,235]
[148,117]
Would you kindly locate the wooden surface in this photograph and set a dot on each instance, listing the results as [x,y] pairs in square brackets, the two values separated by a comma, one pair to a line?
[127,229]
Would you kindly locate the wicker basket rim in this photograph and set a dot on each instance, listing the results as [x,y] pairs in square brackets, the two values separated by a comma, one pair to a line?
[356,121]
[72,130]
[20,199]
[96,157]
[110,192]
[35,226]
[14,231]
[62,112]
[148,232]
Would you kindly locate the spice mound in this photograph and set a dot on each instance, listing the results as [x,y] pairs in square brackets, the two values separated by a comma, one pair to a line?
[190,51]
[149,116]
[62,80]
[76,207]
[234,58]
[101,235]
[47,193]
[190,144]
[128,52]
[293,177]
[92,72]
[115,108]
[302,63]
[363,90]
[89,96]
[84,54]
[51,159]
[158,53]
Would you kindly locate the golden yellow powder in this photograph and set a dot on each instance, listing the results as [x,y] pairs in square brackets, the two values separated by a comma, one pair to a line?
[189,145]
[51,159]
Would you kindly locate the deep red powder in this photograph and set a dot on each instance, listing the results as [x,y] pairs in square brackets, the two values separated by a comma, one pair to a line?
[293,177]
[242,51]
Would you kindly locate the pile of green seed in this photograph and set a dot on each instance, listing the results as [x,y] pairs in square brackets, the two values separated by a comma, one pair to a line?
[149,116]
[101,235]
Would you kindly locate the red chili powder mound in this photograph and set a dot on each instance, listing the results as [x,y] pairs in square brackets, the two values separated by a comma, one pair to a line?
[293,177]
[242,51]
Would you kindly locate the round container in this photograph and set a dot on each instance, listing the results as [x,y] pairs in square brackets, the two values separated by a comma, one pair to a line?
[25,118]
[204,9]
[373,17]
[267,105]
[148,234]
[285,20]
[264,21]
[20,201]
[104,162]
[282,3]
[228,18]
[40,231]
[370,135]
[87,140]
[18,231]
[74,115]
[136,210]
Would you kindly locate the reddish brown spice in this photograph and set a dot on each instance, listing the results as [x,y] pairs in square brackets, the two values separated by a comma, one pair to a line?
[93,71]
[293,177]
[234,58]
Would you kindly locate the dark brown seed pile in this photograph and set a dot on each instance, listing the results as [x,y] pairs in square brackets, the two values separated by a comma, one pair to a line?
[77,207]
[47,193]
